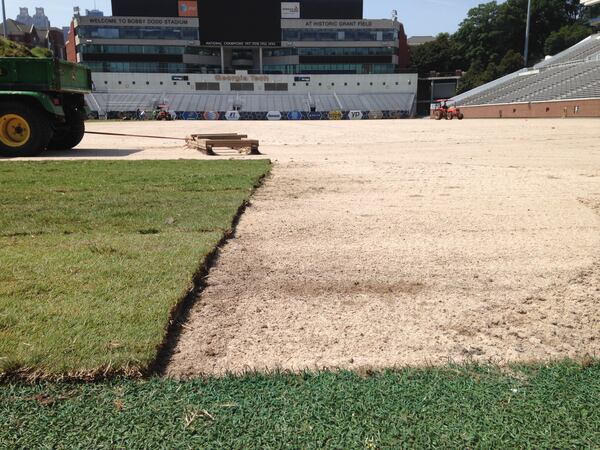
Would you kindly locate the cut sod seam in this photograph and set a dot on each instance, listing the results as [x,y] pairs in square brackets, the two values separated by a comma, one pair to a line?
[180,313]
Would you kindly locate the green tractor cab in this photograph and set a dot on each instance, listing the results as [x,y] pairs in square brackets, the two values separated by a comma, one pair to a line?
[42,105]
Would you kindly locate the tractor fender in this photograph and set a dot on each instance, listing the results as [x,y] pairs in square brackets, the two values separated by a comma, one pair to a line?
[44,100]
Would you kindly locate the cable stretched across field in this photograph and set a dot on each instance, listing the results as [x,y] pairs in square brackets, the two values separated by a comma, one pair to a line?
[134,135]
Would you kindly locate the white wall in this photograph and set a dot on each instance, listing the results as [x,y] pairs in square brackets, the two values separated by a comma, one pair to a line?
[318,84]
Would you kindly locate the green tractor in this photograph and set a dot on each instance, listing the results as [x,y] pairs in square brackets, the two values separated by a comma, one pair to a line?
[42,105]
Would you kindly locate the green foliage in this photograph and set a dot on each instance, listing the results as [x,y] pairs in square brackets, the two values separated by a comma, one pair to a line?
[566,37]
[13,49]
[440,55]
[96,254]
[40,52]
[490,41]
[554,406]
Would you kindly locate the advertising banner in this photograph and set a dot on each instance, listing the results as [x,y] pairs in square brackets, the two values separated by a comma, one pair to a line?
[375,115]
[294,115]
[314,115]
[188,8]
[355,115]
[273,115]
[232,115]
[211,115]
[190,115]
[290,10]
[335,115]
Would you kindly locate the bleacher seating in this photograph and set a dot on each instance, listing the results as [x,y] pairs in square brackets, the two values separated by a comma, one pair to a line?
[572,74]
[103,102]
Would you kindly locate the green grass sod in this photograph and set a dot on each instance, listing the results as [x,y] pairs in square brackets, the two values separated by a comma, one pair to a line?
[456,407]
[95,255]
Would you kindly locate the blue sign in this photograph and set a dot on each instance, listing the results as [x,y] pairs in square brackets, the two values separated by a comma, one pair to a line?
[190,115]
[314,115]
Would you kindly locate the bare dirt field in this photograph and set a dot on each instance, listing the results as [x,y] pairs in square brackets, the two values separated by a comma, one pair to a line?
[390,243]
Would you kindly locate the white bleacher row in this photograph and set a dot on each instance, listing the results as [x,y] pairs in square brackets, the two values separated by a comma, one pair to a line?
[117,102]
[588,49]
[572,74]
[552,83]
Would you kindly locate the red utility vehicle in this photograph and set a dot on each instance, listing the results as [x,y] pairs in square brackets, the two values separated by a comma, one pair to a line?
[441,110]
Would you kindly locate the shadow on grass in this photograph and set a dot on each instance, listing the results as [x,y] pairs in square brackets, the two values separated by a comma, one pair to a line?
[78,153]
[90,153]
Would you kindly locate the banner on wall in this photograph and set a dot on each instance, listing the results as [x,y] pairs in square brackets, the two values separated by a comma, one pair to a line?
[335,115]
[188,8]
[274,115]
[290,10]
[190,115]
[294,115]
[211,115]
[232,115]
[314,115]
[355,115]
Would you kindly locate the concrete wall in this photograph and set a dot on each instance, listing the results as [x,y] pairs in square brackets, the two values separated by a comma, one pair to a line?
[566,108]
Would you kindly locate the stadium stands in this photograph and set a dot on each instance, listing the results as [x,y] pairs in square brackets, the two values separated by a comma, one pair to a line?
[569,75]
[120,102]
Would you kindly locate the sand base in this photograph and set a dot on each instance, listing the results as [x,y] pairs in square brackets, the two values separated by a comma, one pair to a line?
[391,243]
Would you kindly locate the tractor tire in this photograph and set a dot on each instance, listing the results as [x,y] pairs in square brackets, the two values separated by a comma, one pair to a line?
[25,130]
[449,116]
[461,116]
[438,115]
[70,136]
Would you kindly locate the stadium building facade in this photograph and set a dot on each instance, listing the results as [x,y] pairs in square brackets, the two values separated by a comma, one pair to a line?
[201,36]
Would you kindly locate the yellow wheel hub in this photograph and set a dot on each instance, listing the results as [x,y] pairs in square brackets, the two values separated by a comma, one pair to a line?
[14,130]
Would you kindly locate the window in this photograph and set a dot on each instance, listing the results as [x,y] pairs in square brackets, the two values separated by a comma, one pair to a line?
[276,86]
[208,86]
[242,86]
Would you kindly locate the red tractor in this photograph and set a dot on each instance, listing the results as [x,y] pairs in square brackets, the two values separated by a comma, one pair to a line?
[441,110]
[162,113]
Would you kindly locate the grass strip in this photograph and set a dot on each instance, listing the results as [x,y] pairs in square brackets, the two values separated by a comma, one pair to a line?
[555,406]
[95,255]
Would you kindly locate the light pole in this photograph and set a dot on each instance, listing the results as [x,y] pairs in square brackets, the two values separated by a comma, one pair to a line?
[527,30]
[4,20]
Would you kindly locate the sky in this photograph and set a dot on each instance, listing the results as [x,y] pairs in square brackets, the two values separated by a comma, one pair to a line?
[420,17]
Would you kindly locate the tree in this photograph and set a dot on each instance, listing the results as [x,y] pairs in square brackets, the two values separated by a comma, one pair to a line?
[440,55]
[564,38]
[491,39]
